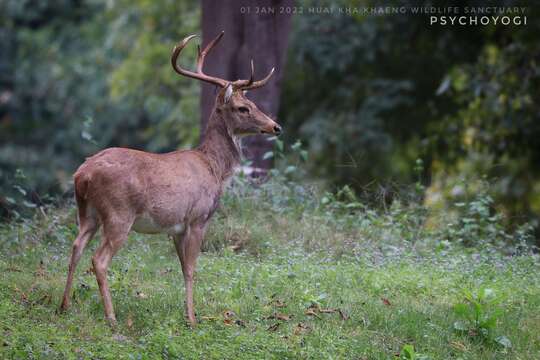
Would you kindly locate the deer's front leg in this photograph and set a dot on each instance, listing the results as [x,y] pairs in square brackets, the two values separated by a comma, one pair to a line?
[188,247]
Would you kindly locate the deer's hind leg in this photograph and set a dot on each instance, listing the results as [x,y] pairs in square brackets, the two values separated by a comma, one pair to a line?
[88,225]
[115,234]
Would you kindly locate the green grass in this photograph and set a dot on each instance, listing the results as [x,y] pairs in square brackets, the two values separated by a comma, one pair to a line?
[395,281]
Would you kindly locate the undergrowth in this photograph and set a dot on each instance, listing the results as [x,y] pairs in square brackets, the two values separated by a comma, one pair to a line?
[288,271]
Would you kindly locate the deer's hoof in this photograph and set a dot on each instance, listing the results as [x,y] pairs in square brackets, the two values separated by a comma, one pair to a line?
[192,323]
[112,322]
[62,308]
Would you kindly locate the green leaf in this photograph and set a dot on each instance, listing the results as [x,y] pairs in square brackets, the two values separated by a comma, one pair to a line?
[489,323]
[478,309]
[20,189]
[86,135]
[289,169]
[468,295]
[28,204]
[503,341]
[407,352]
[268,155]
[462,310]
[322,296]
[445,84]
[460,326]
[487,293]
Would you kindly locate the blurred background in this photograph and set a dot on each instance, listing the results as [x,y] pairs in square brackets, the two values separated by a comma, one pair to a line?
[381,103]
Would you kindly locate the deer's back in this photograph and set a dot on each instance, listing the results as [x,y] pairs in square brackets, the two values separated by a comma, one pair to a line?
[158,191]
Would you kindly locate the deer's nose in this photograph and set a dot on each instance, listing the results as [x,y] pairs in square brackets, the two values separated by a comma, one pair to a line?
[277,129]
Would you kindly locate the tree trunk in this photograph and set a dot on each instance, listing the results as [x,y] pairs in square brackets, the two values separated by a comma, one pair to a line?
[253,30]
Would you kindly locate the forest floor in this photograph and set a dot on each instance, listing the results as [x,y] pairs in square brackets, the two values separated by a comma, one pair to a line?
[275,281]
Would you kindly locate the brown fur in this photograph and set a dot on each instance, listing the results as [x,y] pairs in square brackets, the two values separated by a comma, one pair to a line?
[175,193]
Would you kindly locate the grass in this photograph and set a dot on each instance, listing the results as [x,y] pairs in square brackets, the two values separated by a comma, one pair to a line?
[286,274]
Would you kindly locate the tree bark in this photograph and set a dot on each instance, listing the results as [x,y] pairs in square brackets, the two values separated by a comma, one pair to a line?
[253,30]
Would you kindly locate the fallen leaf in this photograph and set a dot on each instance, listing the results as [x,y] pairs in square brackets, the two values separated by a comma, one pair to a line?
[141,295]
[13,269]
[311,312]
[24,297]
[165,271]
[237,246]
[386,302]
[40,272]
[274,327]
[343,315]
[129,322]
[229,318]
[278,303]
[458,346]
[119,337]
[45,299]
[209,318]
[301,328]
[328,311]
[279,316]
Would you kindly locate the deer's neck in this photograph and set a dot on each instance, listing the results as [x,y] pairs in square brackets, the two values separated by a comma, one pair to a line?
[220,148]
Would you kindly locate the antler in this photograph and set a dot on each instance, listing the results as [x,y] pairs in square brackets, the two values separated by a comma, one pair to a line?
[200,61]
[250,84]
[237,85]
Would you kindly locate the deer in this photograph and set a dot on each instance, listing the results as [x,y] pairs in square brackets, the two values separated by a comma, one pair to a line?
[175,193]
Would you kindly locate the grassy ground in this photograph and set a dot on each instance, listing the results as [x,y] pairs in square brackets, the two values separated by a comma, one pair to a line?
[282,276]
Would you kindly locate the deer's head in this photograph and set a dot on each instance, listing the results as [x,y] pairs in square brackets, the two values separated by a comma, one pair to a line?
[241,115]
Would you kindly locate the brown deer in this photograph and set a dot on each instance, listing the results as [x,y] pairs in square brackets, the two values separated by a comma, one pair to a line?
[174,193]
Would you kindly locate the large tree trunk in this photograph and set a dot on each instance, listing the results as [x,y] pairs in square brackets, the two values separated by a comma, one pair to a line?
[253,30]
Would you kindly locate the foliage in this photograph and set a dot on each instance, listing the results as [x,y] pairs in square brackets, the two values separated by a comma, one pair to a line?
[408,353]
[479,316]
[459,99]
[363,112]
[474,221]
[80,76]
[495,133]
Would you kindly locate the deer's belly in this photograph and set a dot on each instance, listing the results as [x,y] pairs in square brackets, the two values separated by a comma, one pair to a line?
[145,224]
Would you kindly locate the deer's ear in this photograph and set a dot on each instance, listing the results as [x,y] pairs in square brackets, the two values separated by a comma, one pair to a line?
[228,93]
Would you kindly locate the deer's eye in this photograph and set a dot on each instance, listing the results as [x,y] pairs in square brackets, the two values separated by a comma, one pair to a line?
[243,110]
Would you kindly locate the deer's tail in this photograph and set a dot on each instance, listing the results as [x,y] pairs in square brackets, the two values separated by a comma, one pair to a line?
[81,182]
